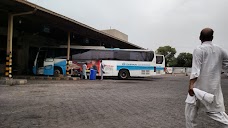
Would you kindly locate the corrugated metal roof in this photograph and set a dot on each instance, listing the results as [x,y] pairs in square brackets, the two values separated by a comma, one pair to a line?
[28,6]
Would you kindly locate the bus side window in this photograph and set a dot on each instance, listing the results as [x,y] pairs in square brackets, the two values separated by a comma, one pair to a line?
[105,55]
[50,53]
[122,55]
[60,53]
[150,56]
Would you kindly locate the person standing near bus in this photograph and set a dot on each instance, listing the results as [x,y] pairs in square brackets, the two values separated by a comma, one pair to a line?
[101,69]
[84,68]
[207,64]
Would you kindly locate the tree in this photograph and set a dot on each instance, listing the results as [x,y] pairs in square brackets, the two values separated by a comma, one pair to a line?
[184,59]
[168,52]
[173,62]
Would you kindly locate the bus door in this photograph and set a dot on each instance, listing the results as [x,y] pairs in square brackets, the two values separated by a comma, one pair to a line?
[48,66]
[43,65]
[38,68]
[160,64]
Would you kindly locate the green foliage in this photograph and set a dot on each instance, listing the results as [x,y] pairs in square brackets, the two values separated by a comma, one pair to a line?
[184,60]
[173,62]
[169,53]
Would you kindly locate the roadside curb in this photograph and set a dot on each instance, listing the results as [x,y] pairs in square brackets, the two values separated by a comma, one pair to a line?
[13,81]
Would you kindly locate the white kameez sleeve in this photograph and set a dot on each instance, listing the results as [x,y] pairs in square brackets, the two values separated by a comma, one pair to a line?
[225,60]
[197,58]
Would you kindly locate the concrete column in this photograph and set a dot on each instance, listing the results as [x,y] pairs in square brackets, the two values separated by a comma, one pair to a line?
[8,72]
[68,54]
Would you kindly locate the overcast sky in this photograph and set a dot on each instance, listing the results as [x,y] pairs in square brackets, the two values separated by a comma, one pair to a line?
[151,23]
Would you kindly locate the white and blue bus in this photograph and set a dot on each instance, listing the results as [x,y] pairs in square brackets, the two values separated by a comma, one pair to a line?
[160,64]
[123,63]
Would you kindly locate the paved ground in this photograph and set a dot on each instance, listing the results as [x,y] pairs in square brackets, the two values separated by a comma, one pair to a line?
[139,103]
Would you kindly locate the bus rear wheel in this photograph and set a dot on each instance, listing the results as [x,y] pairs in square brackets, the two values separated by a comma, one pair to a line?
[123,74]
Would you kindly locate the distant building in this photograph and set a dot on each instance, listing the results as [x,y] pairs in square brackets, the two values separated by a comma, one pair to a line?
[117,34]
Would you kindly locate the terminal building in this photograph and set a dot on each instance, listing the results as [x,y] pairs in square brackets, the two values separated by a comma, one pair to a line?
[25,27]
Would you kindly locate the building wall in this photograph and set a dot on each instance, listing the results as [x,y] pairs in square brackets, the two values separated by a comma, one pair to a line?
[117,34]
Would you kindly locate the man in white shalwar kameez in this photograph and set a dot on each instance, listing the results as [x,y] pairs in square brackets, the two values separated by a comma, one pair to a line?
[206,76]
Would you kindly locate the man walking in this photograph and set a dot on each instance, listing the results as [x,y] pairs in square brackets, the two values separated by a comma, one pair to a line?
[206,76]
[101,69]
[84,68]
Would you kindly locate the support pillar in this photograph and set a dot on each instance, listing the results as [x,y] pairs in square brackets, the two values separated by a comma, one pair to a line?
[8,71]
[68,54]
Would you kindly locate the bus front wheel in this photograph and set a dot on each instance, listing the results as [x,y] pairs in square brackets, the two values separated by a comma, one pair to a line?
[57,72]
[123,74]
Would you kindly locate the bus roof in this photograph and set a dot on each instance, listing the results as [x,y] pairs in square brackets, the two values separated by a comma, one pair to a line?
[100,48]
[96,48]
